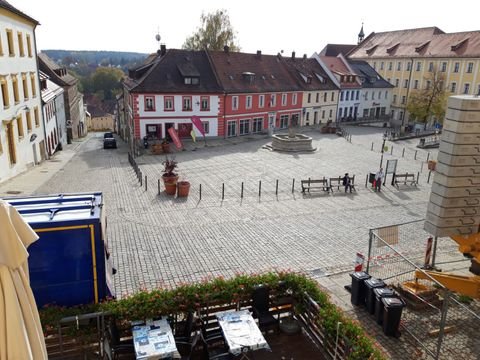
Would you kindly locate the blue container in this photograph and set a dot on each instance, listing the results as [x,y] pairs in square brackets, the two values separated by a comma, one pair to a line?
[69,264]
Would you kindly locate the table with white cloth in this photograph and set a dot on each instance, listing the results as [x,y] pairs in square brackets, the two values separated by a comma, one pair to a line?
[241,332]
[154,339]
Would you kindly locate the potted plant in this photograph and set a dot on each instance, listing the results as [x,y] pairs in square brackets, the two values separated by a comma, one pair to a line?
[169,176]
[165,145]
[183,188]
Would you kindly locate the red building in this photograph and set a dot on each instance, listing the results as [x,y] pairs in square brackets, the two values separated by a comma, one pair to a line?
[260,94]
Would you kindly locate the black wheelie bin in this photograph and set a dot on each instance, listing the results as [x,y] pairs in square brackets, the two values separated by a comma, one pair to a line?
[379,294]
[358,287]
[372,284]
[392,313]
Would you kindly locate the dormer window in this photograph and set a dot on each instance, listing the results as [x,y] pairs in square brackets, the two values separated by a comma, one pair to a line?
[191,80]
[248,77]
[43,84]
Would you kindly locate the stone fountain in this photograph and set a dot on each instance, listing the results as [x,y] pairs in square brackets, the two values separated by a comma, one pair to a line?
[292,142]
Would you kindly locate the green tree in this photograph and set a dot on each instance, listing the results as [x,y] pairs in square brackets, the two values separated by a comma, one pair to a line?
[107,80]
[429,102]
[214,33]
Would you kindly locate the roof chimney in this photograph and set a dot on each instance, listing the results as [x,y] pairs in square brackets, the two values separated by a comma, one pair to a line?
[259,53]
[304,56]
[226,49]
[293,55]
[163,49]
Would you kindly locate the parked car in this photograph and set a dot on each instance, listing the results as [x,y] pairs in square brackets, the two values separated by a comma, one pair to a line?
[109,141]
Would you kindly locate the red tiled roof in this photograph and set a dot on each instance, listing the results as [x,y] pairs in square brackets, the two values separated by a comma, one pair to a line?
[335,49]
[423,42]
[337,66]
[270,72]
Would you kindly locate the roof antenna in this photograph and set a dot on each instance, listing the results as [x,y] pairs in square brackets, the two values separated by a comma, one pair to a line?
[158,37]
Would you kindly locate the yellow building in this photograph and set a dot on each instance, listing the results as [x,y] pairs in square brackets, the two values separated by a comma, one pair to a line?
[405,58]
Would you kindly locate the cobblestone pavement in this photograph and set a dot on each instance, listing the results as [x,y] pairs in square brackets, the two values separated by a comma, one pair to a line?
[159,240]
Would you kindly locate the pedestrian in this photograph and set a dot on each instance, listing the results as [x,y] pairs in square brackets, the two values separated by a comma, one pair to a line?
[347,182]
[378,179]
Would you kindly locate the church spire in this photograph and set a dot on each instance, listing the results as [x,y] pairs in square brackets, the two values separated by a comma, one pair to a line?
[361,35]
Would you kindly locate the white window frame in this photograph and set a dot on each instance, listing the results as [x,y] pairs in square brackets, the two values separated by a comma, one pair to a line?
[248,102]
[234,102]
[294,99]
[284,99]
[261,101]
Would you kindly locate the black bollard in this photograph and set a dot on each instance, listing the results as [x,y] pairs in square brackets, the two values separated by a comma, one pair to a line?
[223,191]
[241,193]
[200,191]
[276,188]
[293,185]
[159,186]
[403,153]
[146,186]
[259,188]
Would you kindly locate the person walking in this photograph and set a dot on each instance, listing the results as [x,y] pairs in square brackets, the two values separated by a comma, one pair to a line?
[347,182]
[378,179]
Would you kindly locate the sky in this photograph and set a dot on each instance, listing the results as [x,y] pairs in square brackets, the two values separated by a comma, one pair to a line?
[272,26]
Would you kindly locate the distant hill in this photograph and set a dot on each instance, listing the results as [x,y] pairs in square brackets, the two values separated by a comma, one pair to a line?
[96,58]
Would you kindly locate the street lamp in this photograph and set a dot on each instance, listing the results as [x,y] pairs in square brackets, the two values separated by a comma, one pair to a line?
[383,148]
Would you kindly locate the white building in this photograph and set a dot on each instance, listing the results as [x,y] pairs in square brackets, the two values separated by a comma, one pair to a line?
[349,83]
[53,114]
[22,136]
[376,93]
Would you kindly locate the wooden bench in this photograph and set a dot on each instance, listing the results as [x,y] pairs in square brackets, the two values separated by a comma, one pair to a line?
[338,181]
[315,184]
[405,179]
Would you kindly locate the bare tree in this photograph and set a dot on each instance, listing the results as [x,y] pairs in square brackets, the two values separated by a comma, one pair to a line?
[431,100]
[214,33]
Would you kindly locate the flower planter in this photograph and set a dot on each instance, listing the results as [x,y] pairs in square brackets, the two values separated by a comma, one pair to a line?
[170,183]
[166,148]
[183,188]
[432,164]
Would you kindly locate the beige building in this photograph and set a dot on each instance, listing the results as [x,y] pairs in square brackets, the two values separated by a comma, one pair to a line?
[99,120]
[405,58]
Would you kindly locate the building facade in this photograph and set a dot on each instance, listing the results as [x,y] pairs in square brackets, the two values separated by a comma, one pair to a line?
[376,92]
[408,58]
[347,80]
[74,106]
[320,94]
[260,93]
[53,114]
[167,91]
[22,133]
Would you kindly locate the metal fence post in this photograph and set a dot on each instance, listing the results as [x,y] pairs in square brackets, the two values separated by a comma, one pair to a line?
[403,153]
[418,177]
[146,184]
[159,186]
[391,150]
[428,179]
[223,191]
[428,156]
[276,188]
[415,154]
[241,193]
[200,191]
[443,320]
[293,185]
[259,188]
[370,241]
[140,178]
[372,146]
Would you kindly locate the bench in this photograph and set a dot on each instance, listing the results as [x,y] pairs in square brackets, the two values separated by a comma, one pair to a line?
[338,181]
[315,184]
[405,179]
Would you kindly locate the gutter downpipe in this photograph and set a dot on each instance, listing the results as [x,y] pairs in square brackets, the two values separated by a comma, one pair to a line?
[408,91]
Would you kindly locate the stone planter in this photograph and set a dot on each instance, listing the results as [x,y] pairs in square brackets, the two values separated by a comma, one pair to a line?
[183,188]
[170,183]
